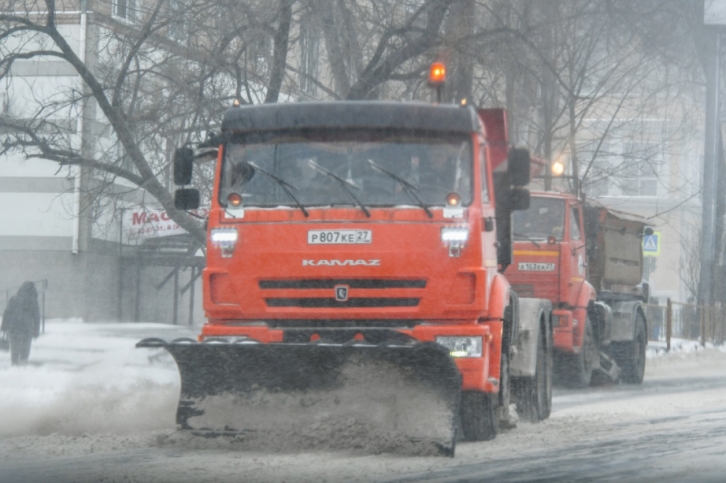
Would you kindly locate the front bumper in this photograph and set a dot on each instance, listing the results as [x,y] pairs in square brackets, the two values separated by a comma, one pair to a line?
[477,373]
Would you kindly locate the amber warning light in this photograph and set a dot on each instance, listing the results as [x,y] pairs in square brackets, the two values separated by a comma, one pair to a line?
[437,74]
[453,199]
[234,199]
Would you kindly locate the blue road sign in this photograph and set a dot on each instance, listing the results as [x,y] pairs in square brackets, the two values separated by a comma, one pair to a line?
[651,244]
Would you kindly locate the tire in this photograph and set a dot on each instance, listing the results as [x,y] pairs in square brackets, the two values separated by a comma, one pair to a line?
[547,409]
[578,368]
[505,396]
[534,395]
[631,355]
[479,420]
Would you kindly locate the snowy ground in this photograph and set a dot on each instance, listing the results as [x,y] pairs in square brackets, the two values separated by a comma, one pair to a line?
[90,407]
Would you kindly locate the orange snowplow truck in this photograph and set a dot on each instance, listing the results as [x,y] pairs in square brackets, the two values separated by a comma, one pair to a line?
[353,277]
[587,260]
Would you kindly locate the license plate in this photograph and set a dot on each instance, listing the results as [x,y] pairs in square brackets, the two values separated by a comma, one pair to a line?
[536,267]
[339,237]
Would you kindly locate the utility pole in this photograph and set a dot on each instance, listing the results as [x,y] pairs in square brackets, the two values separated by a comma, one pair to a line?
[710,167]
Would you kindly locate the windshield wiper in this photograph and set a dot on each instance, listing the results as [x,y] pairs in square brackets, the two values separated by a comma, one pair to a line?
[527,238]
[343,183]
[284,185]
[407,187]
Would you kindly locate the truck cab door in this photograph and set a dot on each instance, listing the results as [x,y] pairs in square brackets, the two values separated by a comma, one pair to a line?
[489,245]
[577,253]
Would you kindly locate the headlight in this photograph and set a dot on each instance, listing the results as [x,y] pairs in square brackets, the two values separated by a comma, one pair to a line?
[461,346]
[224,238]
[454,235]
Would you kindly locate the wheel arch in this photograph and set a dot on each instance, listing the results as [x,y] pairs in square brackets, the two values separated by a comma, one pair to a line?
[585,303]
[504,305]
[499,296]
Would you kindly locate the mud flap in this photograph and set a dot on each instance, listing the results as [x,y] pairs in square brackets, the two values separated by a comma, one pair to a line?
[379,398]
[607,367]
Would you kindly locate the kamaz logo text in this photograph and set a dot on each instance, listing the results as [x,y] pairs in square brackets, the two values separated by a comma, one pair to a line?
[341,263]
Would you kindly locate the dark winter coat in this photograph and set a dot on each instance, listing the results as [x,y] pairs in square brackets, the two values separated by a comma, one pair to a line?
[22,315]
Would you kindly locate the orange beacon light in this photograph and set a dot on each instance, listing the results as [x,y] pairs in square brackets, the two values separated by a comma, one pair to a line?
[437,73]
[437,77]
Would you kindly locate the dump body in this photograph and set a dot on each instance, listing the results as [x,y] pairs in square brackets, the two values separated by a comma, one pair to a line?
[587,260]
[365,232]
[615,253]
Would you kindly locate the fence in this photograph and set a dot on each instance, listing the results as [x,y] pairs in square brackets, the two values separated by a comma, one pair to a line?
[41,286]
[700,323]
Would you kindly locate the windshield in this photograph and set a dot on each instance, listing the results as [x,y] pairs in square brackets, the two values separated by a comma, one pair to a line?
[544,218]
[378,169]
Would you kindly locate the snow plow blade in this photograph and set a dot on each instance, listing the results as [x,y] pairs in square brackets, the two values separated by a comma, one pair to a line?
[376,398]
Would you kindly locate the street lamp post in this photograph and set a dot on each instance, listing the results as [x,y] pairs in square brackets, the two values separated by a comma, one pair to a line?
[714,21]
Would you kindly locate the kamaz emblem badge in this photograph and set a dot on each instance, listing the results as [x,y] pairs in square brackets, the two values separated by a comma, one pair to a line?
[341,293]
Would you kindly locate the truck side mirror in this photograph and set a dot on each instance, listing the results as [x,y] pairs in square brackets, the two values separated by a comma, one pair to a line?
[186,199]
[520,199]
[183,166]
[518,162]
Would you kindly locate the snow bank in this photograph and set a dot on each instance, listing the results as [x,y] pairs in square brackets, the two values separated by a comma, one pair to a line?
[89,378]
[686,358]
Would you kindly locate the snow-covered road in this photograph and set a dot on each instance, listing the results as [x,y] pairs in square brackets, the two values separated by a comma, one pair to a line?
[90,407]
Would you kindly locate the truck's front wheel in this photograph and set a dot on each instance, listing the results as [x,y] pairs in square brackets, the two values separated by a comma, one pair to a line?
[579,367]
[534,395]
[479,420]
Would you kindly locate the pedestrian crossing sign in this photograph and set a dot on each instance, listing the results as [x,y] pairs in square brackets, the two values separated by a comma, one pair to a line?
[651,244]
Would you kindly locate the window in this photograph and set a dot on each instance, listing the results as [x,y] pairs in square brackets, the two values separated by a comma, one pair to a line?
[483,169]
[544,218]
[125,9]
[596,155]
[642,165]
[575,233]
[600,187]
[309,54]
[346,168]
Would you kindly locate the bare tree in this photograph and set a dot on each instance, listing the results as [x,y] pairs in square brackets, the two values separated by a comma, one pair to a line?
[145,88]
[578,85]
[371,43]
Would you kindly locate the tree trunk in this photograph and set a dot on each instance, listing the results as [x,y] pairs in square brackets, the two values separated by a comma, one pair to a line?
[333,47]
[279,58]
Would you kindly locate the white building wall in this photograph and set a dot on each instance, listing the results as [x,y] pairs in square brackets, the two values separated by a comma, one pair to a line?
[37,221]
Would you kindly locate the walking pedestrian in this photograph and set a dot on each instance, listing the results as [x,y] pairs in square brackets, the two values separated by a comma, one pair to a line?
[21,322]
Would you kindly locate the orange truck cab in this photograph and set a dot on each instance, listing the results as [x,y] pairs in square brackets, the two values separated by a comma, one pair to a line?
[587,261]
[371,221]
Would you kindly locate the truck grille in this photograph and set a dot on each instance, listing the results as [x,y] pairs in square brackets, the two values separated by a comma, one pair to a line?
[315,302]
[341,323]
[370,283]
